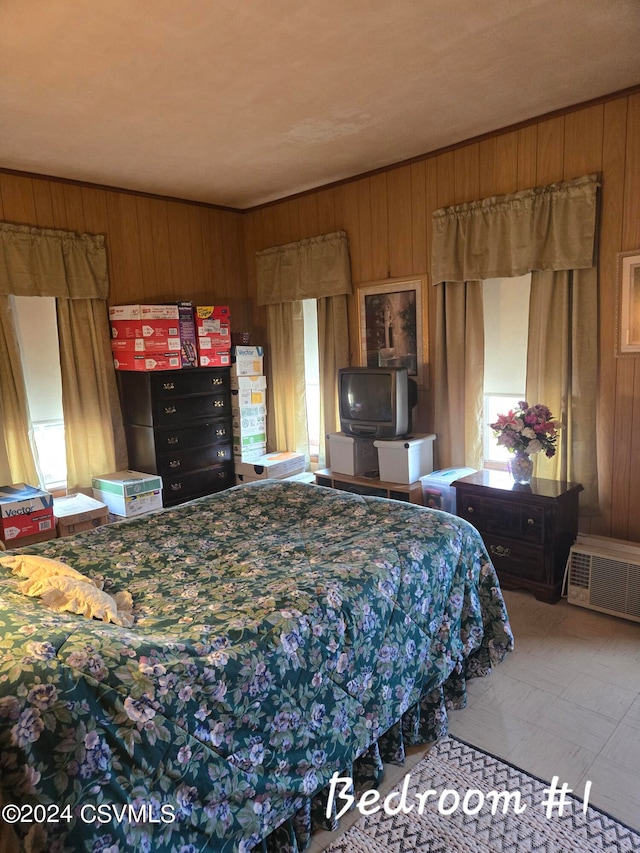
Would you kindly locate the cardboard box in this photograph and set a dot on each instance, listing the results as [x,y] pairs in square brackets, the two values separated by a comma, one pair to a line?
[25,511]
[249,420]
[220,339]
[247,361]
[75,513]
[278,465]
[352,456]
[155,324]
[248,391]
[145,346]
[139,361]
[128,507]
[207,315]
[248,452]
[128,493]
[405,460]
[437,491]
[187,329]
[214,358]
[24,541]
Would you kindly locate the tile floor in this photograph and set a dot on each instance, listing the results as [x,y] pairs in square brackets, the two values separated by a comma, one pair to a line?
[566,703]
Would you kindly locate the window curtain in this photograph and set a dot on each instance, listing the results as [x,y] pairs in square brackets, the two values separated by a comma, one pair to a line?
[73,269]
[317,268]
[545,231]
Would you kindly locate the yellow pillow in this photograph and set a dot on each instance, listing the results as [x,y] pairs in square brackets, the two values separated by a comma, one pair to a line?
[77,596]
[35,567]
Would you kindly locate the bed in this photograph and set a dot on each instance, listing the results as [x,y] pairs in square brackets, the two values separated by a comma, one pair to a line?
[283,631]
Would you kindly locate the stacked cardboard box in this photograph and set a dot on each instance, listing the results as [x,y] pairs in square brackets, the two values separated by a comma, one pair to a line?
[279,465]
[145,337]
[213,334]
[26,515]
[75,513]
[249,410]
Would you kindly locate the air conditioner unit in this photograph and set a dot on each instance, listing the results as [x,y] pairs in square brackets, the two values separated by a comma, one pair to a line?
[604,574]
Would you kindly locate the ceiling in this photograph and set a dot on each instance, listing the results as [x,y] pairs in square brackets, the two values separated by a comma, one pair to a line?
[240,102]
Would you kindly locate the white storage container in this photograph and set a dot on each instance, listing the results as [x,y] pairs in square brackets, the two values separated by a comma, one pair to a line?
[437,491]
[353,456]
[405,460]
[128,493]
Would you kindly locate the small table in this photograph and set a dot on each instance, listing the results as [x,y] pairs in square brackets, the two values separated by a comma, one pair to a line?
[411,492]
[528,530]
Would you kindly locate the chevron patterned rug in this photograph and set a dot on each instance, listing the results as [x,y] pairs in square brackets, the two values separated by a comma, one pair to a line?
[453,802]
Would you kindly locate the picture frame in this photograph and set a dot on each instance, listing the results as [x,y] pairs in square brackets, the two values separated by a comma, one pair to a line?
[628,304]
[391,326]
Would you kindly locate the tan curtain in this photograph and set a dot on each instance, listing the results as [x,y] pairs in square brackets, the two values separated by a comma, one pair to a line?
[287,417]
[459,374]
[564,309]
[308,269]
[543,229]
[333,345]
[317,268]
[72,268]
[94,438]
[13,401]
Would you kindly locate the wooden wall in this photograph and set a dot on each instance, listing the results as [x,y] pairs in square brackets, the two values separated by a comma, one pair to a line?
[387,217]
[158,250]
[162,250]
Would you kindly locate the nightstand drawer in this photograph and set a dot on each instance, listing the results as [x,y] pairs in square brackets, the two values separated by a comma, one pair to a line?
[515,558]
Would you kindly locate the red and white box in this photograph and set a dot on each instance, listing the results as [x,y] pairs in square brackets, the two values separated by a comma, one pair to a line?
[214,358]
[145,328]
[209,317]
[25,511]
[147,361]
[220,339]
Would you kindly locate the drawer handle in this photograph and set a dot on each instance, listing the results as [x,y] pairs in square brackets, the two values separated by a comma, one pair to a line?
[173,439]
[169,410]
[216,380]
[222,475]
[168,386]
[175,463]
[530,521]
[221,431]
[500,551]
[469,509]
[221,454]
[218,404]
[176,487]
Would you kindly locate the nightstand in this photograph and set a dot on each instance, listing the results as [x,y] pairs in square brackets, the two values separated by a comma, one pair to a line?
[528,530]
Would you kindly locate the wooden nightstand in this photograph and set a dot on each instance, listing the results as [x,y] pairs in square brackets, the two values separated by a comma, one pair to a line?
[528,530]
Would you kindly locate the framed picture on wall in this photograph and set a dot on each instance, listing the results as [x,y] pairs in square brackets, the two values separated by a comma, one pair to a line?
[628,304]
[391,326]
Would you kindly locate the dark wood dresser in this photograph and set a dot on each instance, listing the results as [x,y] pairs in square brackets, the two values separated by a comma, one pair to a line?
[178,425]
[528,530]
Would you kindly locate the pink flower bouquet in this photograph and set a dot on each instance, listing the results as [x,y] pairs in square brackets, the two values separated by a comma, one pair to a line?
[527,429]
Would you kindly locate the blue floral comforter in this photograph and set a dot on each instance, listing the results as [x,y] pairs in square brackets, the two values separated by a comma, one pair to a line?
[281,629]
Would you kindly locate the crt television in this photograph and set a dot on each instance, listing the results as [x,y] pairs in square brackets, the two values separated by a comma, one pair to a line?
[376,402]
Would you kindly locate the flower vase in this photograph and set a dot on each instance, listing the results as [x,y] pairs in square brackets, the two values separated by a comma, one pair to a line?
[521,468]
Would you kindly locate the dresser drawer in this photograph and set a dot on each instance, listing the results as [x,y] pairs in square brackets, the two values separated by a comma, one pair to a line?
[183,487]
[498,517]
[184,438]
[513,557]
[184,461]
[187,382]
[183,409]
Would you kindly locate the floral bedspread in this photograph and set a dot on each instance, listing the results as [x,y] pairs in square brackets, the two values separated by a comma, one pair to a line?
[280,629]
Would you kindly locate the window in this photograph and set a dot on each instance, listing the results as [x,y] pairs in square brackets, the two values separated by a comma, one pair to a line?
[506,329]
[38,339]
[312,375]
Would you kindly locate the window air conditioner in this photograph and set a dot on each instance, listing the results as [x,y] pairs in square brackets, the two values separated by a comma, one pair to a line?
[604,574]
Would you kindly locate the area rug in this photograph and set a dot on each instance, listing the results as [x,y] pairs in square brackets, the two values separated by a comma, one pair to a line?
[454,803]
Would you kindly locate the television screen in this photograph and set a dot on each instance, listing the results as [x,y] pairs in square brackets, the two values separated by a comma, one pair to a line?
[367,397]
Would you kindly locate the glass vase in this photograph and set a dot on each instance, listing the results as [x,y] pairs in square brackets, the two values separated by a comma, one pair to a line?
[521,468]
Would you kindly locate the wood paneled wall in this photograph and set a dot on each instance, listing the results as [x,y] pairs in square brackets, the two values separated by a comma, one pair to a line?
[162,250]
[158,250]
[388,219]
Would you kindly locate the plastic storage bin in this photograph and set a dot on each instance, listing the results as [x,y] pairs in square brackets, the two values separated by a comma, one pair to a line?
[405,460]
[353,456]
[437,491]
